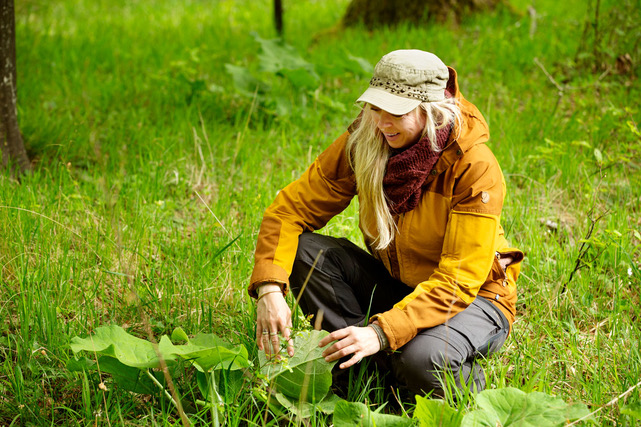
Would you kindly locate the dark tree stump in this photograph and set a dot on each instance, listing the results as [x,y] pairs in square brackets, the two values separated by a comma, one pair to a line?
[390,12]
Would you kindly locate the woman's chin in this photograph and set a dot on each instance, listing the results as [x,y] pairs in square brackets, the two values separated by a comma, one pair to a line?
[397,144]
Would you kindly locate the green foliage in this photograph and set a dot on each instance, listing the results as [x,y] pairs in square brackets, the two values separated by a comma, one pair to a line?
[306,376]
[303,408]
[513,407]
[280,60]
[433,412]
[128,377]
[348,414]
[300,384]
[124,356]
[205,351]
[113,341]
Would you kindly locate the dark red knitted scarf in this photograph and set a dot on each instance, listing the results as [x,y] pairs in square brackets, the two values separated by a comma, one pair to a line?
[408,169]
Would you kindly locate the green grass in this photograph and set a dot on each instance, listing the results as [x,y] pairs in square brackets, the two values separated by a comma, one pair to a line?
[152,173]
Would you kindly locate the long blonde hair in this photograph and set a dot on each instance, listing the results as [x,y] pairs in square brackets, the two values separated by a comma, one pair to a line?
[368,153]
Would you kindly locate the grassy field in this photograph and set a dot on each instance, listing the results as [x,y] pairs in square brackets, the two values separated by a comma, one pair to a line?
[154,163]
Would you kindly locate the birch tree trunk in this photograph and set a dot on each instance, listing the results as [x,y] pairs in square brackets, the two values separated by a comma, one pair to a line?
[11,144]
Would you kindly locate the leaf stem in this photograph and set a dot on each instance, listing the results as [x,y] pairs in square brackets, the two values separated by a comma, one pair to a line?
[164,390]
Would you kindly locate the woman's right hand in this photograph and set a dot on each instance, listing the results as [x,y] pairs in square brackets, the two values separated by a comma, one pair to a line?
[273,318]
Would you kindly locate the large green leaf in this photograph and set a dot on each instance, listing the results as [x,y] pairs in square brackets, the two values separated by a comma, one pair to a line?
[305,376]
[127,377]
[306,409]
[207,352]
[350,414]
[277,57]
[245,82]
[431,412]
[513,407]
[228,385]
[300,78]
[115,342]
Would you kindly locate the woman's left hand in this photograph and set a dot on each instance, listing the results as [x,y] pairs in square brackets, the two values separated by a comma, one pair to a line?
[359,341]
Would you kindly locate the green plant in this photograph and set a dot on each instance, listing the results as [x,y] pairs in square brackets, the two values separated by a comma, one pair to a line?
[278,60]
[141,366]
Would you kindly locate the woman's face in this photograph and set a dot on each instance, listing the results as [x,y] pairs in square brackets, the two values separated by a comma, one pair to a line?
[399,131]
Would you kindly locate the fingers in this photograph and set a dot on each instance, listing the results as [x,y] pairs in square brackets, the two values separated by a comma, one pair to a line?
[269,338]
[273,321]
[351,362]
[359,342]
[336,335]
[336,352]
[339,353]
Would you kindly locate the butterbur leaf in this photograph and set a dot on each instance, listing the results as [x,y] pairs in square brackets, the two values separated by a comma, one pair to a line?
[276,56]
[245,82]
[80,364]
[179,335]
[513,407]
[305,409]
[432,412]
[131,379]
[301,78]
[115,342]
[207,352]
[227,385]
[350,414]
[574,411]
[305,376]
[481,418]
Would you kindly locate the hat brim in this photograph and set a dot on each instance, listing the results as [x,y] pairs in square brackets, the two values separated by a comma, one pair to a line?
[393,104]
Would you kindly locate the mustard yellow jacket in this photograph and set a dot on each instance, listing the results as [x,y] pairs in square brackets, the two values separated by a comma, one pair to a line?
[447,248]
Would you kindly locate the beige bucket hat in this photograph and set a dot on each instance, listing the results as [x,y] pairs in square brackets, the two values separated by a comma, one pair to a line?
[405,78]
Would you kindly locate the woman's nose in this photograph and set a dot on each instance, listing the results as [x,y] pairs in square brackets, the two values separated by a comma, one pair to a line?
[384,119]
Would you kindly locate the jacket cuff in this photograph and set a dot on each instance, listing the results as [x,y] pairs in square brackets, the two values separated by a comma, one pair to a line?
[396,326]
[265,273]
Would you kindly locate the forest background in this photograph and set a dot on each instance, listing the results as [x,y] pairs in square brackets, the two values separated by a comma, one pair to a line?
[160,130]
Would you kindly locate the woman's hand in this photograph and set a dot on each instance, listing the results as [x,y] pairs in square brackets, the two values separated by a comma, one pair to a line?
[359,341]
[273,318]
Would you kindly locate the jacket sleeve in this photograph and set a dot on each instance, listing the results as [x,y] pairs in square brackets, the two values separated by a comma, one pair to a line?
[307,204]
[467,255]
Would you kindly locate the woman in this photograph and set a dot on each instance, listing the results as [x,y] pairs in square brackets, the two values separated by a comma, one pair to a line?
[437,288]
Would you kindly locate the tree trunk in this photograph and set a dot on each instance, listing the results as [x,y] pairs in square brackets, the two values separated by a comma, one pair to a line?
[278,17]
[11,144]
[389,12]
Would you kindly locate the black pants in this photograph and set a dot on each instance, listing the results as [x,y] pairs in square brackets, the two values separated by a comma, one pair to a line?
[349,285]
